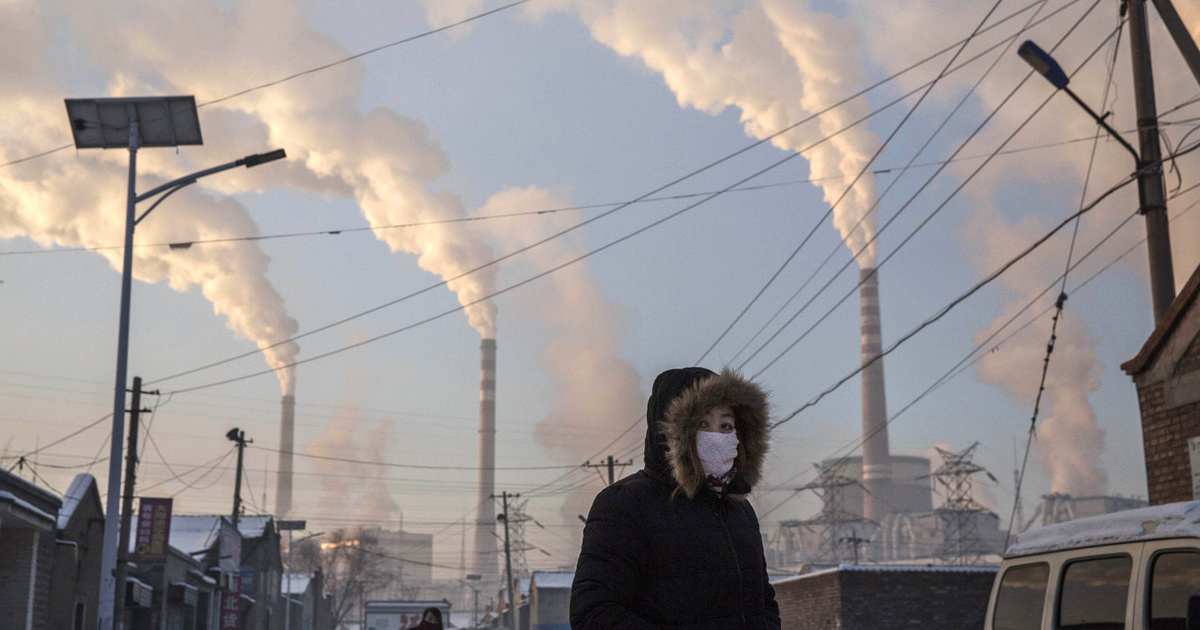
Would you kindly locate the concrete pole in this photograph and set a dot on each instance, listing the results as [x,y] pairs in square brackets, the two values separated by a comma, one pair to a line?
[1151,191]
[127,499]
[112,515]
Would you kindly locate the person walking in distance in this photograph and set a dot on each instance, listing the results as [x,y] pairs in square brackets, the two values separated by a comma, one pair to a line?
[676,544]
[431,619]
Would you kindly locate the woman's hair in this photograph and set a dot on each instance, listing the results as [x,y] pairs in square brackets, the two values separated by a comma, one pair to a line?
[436,613]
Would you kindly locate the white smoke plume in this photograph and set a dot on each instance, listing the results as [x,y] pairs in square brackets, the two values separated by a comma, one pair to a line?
[79,200]
[382,160]
[596,391]
[777,61]
[348,488]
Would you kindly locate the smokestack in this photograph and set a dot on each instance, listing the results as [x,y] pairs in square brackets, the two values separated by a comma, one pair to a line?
[283,479]
[485,523]
[877,465]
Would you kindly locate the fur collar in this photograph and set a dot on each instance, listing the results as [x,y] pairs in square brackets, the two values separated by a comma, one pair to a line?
[682,422]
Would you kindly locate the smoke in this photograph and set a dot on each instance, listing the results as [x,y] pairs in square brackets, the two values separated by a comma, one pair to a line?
[596,391]
[1069,440]
[350,488]
[777,61]
[380,159]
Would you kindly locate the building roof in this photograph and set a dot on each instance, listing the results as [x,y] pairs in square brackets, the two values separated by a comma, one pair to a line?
[553,579]
[1166,327]
[1174,520]
[299,584]
[75,496]
[36,493]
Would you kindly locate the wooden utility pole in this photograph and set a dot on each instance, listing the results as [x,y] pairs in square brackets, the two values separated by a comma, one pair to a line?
[610,464]
[1151,191]
[131,460]
[240,438]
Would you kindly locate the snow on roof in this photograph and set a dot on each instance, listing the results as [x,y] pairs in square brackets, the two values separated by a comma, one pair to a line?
[22,503]
[1174,520]
[299,584]
[553,579]
[881,568]
[74,496]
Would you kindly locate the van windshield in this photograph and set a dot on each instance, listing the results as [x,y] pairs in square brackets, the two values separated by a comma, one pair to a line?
[1094,594]
[1021,598]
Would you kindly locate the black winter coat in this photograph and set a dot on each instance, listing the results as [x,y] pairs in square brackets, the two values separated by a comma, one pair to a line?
[661,549]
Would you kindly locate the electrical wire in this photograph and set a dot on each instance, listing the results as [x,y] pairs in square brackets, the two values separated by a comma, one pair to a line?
[392,465]
[935,211]
[309,71]
[644,196]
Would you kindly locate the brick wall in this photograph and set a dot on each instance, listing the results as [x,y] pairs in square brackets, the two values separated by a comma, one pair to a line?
[810,602]
[1165,432]
[863,598]
[1191,359]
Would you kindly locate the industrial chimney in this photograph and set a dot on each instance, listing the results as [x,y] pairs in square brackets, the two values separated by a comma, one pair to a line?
[485,523]
[877,465]
[283,479]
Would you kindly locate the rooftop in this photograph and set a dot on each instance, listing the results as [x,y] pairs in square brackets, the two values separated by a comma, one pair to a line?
[553,579]
[1174,520]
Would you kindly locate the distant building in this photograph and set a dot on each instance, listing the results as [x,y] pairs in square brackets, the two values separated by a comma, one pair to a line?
[76,586]
[409,559]
[310,605]
[912,487]
[550,600]
[1167,374]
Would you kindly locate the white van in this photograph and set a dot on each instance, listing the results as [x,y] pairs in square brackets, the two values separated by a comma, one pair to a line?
[1132,570]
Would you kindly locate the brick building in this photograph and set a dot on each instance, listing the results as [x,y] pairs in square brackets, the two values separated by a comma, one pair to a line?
[1167,375]
[28,531]
[881,597]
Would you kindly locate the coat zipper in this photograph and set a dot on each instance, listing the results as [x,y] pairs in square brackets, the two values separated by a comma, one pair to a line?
[736,563]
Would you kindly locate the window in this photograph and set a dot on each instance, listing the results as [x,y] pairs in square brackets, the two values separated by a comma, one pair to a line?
[1094,594]
[1021,598]
[1174,578]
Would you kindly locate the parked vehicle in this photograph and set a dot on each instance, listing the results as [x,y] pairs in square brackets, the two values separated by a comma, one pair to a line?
[1132,570]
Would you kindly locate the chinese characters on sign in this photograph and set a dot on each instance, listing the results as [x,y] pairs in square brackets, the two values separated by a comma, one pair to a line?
[231,606]
[153,530]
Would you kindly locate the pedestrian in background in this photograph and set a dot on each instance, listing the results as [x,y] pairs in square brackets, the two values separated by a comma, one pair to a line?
[431,619]
[677,544]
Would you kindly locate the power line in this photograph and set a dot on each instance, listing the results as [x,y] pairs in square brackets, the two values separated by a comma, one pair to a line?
[636,200]
[302,73]
[935,211]
[392,465]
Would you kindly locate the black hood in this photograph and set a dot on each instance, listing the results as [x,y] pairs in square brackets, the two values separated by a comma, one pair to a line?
[667,387]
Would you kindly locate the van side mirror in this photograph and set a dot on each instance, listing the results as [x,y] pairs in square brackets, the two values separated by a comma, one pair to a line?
[1193,613]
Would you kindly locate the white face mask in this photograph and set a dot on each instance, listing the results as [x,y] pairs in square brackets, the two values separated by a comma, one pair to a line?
[717,451]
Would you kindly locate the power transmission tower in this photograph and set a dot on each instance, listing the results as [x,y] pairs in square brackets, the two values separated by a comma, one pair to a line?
[960,513]
[516,520]
[829,486]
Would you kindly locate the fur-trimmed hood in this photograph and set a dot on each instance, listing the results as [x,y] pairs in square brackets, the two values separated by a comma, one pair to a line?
[679,401]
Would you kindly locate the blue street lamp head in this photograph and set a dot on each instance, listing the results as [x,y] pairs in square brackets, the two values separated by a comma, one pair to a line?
[1044,64]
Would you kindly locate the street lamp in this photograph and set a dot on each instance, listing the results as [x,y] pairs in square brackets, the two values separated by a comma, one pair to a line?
[1151,195]
[134,123]
[473,577]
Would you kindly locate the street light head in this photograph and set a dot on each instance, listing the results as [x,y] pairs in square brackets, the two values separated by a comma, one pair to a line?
[1043,64]
[263,158]
[233,434]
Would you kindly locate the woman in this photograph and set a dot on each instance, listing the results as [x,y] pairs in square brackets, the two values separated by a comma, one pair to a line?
[431,619]
[676,544]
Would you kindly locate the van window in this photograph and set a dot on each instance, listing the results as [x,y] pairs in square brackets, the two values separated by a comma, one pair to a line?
[1021,598]
[1094,594]
[1174,578]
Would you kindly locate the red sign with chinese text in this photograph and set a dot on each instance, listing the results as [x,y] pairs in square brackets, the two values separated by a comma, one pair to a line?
[231,605]
[153,530]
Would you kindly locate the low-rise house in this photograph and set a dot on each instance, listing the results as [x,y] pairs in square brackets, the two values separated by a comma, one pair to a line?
[75,589]
[550,600]
[28,535]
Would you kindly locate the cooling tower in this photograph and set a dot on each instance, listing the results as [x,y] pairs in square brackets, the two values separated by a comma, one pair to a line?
[287,432]
[877,465]
[485,524]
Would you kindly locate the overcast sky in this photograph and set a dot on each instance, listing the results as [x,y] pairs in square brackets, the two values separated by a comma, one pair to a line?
[569,105]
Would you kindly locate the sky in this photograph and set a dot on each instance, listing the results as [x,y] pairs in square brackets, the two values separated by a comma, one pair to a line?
[573,106]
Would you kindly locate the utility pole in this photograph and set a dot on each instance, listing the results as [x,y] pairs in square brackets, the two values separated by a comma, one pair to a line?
[240,438]
[512,599]
[610,464]
[1151,191]
[855,541]
[131,461]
